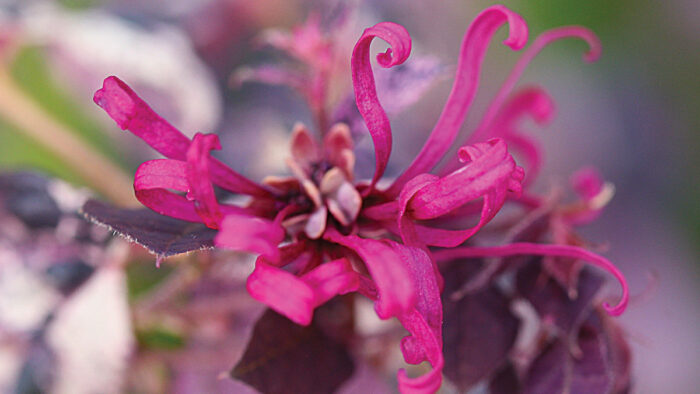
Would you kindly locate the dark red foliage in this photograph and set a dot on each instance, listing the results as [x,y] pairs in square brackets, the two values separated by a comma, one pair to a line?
[479,329]
[161,235]
[283,357]
[552,301]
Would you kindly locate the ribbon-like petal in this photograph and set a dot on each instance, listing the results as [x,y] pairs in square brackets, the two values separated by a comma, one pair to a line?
[534,102]
[251,234]
[153,182]
[423,322]
[130,112]
[156,183]
[542,41]
[365,89]
[297,297]
[490,173]
[476,41]
[201,189]
[388,264]
[490,167]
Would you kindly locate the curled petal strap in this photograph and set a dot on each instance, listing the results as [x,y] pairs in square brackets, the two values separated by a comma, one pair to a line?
[538,104]
[406,226]
[472,53]
[533,101]
[130,112]
[153,183]
[489,166]
[201,189]
[543,40]
[365,89]
[490,173]
[387,264]
[424,323]
[297,297]
[425,337]
[251,234]
[525,248]
[156,183]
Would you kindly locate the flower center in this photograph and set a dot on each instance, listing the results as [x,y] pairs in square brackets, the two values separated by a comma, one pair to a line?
[323,179]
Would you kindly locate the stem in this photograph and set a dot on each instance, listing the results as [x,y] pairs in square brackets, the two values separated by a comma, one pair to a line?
[100,173]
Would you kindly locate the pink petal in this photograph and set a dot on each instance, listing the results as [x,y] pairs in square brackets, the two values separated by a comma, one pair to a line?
[534,102]
[130,112]
[490,167]
[405,223]
[424,336]
[281,291]
[251,234]
[330,279]
[365,89]
[337,146]
[428,306]
[543,40]
[200,184]
[474,45]
[153,181]
[385,211]
[525,248]
[304,149]
[587,182]
[297,297]
[490,173]
[423,322]
[387,263]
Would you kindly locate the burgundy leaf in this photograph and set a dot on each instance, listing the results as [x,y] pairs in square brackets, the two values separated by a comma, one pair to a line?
[283,357]
[565,270]
[505,381]
[161,235]
[553,302]
[619,354]
[556,370]
[479,329]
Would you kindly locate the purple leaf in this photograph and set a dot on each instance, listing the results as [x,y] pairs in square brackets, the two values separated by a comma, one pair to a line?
[557,370]
[564,270]
[505,381]
[479,329]
[161,235]
[283,357]
[552,301]
[619,354]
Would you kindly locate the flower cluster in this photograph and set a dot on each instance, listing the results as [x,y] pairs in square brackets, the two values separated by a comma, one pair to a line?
[321,232]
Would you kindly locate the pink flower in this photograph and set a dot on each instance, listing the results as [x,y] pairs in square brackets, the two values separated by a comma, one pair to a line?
[321,232]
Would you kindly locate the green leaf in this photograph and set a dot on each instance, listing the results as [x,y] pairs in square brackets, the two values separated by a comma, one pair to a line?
[32,73]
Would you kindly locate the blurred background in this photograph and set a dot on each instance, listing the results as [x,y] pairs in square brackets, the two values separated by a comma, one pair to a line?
[634,115]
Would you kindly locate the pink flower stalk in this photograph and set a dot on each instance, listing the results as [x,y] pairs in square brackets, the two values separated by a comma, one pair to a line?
[321,232]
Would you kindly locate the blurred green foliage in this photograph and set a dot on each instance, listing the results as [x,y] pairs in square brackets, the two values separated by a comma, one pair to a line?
[19,151]
[31,71]
[160,338]
[143,276]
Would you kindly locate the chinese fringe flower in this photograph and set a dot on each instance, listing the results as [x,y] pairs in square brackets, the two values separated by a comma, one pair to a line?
[321,232]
